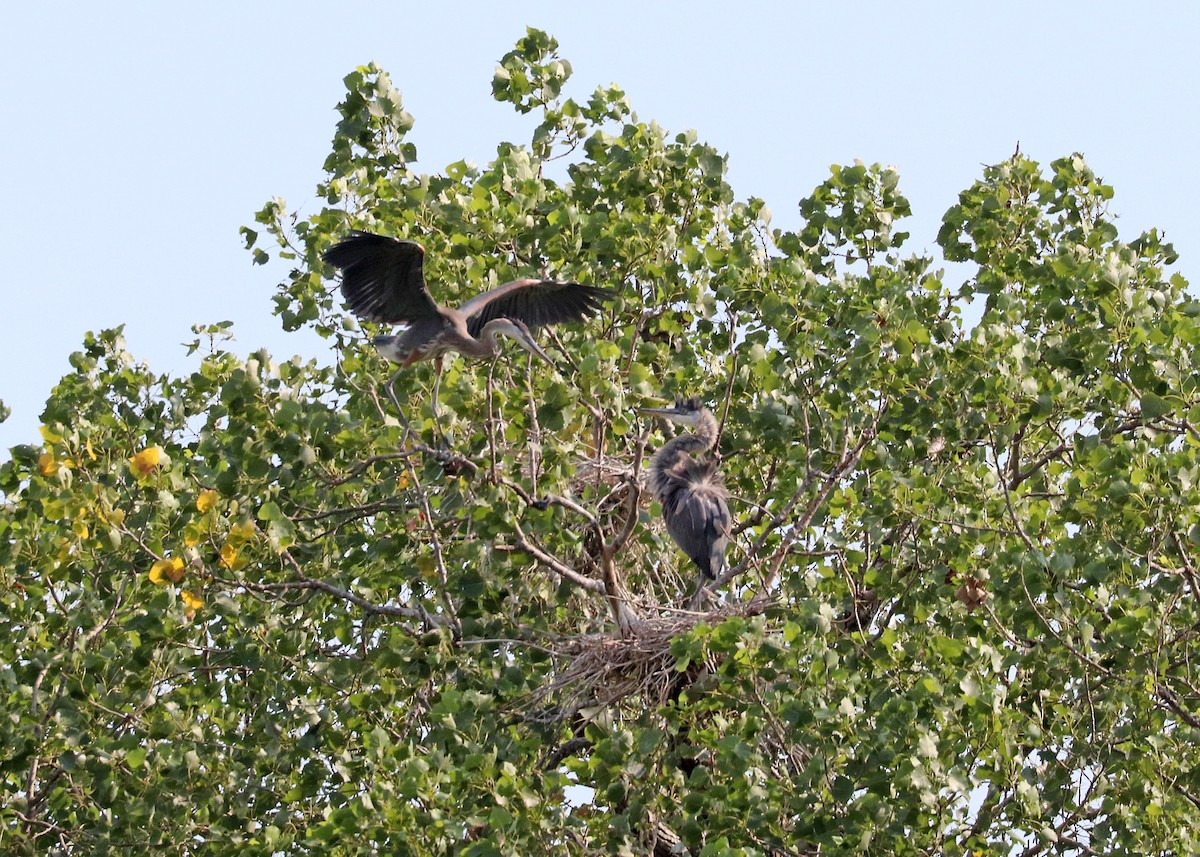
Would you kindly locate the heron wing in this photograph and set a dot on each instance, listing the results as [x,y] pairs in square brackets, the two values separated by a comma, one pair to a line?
[383,279]
[534,302]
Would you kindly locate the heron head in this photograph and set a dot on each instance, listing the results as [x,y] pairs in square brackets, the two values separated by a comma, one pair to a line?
[389,347]
[685,411]
[519,331]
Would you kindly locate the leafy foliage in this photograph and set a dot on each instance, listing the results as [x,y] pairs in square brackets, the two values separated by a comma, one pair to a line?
[241,609]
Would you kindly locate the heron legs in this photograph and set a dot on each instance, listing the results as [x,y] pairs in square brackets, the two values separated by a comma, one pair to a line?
[439,366]
[391,394]
[701,596]
[437,385]
[390,390]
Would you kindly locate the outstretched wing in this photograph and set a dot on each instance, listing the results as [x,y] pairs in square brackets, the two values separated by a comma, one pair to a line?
[697,514]
[534,302]
[383,278]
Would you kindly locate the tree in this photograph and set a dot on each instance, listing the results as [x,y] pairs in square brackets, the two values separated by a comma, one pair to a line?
[242,609]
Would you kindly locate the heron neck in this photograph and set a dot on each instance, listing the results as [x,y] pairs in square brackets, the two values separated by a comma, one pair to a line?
[704,436]
[488,344]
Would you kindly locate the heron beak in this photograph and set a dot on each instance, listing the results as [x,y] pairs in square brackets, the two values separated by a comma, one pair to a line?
[532,347]
[666,413]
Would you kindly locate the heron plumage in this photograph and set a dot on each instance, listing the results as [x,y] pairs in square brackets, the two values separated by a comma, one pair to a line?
[691,491]
[383,281]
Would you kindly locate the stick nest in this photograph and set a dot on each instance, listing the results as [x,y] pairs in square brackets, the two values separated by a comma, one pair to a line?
[602,670]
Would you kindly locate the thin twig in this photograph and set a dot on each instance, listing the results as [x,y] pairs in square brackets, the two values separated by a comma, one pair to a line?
[523,543]
[309,583]
[439,559]
[716,447]
[361,466]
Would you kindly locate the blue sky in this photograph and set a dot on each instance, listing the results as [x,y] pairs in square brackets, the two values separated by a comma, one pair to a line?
[138,137]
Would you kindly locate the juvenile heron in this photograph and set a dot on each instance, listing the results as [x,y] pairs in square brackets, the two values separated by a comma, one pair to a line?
[691,491]
[383,280]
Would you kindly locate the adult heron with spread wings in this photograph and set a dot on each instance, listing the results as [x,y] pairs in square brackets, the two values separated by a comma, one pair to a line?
[383,280]
[691,491]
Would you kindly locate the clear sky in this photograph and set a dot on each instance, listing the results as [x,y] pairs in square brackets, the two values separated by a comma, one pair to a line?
[138,137]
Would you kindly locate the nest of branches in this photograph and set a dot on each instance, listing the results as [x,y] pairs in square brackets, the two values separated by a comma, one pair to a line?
[602,670]
[599,470]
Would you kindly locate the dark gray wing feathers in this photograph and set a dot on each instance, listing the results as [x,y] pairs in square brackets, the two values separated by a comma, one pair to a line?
[383,278]
[538,304]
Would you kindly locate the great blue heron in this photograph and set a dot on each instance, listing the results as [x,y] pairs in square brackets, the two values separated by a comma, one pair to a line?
[691,491]
[383,280]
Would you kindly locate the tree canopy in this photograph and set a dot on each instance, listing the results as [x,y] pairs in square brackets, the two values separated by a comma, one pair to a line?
[242,609]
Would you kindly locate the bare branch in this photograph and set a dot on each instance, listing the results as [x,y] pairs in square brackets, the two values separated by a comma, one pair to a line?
[358,468]
[1037,464]
[308,583]
[1172,702]
[560,568]
[725,402]
[634,498]
[439,559]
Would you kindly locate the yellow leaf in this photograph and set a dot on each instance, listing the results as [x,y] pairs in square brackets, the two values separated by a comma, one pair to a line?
[81,529]
[91,452]
[229,555]
[193,534]
[144,462]
[206,500]
[165,570]
[158,572]
[191,599]
[176,571]
[243,531]
[50,435]
[47,464]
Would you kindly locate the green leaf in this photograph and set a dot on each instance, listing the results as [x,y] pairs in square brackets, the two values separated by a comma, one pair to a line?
[1154,406]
